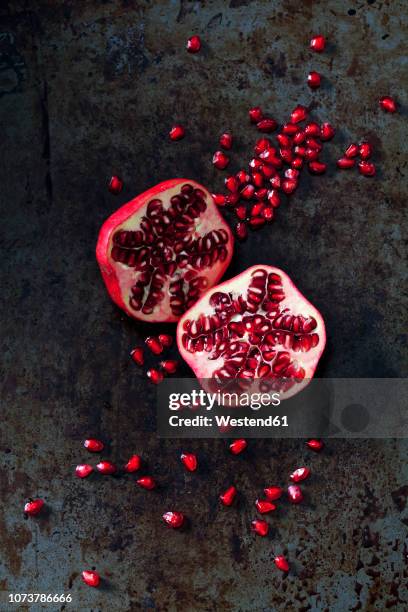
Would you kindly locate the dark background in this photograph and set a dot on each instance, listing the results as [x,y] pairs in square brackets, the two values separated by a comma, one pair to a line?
[91,88]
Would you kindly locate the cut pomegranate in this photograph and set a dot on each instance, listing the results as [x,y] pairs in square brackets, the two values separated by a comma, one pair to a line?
[94,446]
[220,160]
[345,162]
[255,114]
[162,250]
[365,150]
[298,114]
[83,470]
[169,366]
[155,375]
[260,527]
[190,461]
[177,132]
[226,140]
[193,44]
[137,356]
[318,43]
[257,319]
[314,80]
[315,445]
[264,506]
[228,496]
[146,482]
[267,125]
[33,507]
[106,467]
[388,104]
[327,132]
[133,465]
[173,519]
[281,563]
[295,494]
[154,345]
[238,446]
[366,168]
[273,493]
[300,474]
[115,185]
[91,578]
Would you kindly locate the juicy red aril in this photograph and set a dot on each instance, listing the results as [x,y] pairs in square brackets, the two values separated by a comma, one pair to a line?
[258,179]
[312,143]
[238,446]
[291,173]
[115,185]
[297,162]
[232,198]
[268,213]
[83,470]
[220,160]
[226,140]
[295,494]
[318,43]
[228,496]
[274,198]
[311,154]
[190,461]
[284,140]
[169,366]
[261,145]
[91,578]
[351,151]
[177,132]
[264,506]
[257,209]
[345,162]
[219,199]
[255,114]
[281,563]
[273,493]
[154,345]
[290,129]
[315,445]
[300,151]
[166,340]
[94,446]
[146,482]
[137,356]
[276,182]
[286,155]
[289,186]
[231,183]
[327,132]
[155,375]
[365,150]
[247,192]
[316,167]
[314,80]
[300,474]
[261,194]
[388,104]
[241,212]
[133,465]
[298,114]
[256,222]
[312,129]
[366,168]
[242,177]
[33,507]
[241,231]
[173,519]
[267,125]
[260,527]
[193,44]
[106,467]
[255,164]
[299,137]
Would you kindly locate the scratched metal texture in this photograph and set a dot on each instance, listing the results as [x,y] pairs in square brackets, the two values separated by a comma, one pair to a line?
[91,88]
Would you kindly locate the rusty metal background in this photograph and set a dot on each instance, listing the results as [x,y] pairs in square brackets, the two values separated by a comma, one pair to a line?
[91,88]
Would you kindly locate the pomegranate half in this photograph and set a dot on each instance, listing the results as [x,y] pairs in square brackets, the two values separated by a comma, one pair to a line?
[255,329]
[159,252]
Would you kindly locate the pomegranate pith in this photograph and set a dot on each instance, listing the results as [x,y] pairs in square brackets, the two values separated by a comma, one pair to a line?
[33,507]
[91,578]
[115,185]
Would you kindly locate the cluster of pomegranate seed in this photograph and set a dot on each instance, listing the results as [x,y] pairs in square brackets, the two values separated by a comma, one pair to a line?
[317,44]
[106,467]
[156,344]
[363,150]
[115,185]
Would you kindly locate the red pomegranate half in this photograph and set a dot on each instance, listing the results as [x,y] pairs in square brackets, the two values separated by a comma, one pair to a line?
[256,329]
[159,252]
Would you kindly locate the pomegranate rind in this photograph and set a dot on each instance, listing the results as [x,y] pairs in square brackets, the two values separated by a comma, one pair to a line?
[109,268]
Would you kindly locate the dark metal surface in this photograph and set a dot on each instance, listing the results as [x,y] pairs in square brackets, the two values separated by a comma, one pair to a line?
[91,88]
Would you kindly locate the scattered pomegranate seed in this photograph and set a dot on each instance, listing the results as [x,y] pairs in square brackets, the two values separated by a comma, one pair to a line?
[220,160]
[388,104]
[352,151]
[155,376]
[238,446]
[228,496]
[115,185]
[291,173]
[261,145]
[316,167]
[219,199]
[281,563]
[300,474]
[295,494]
[231,183]
[314,80]
[193,44]
[169,366]
[241,231]
[154,345]
[255,114]
[268,213]
[299,137]
[91,578]
[137,356]
[327,132]
[267,125]
[345,162]
[166,340]
[173,519]
[298,114]
[93,446]
[247,192]
[146,482]
[106,467]
[284,140]
[190,461]
[318,43]
[312,129]
[289,186]
[260,527]
[83,470]
[311,154]
[315,445]
[365,150]
[290,129]
[33,507]
[133,465]
[263,506]
[177,132]
[273,493]
[226,140]
[366,168]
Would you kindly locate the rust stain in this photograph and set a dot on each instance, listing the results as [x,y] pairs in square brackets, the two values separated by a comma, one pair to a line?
[13,544]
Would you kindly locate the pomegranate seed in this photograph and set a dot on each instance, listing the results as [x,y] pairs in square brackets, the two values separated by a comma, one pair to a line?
[290,129]
[154,345]
[315,445]
[351,151]
[318,43]
[242,177]
[300,151]
[255,114]
[173,519]
[284,140]
[238,446]
[232,198]
[291,173]
[133,465]
[83,470]
[247,192]
[273,493]
[365,150]
[137,356]
[228,496]
[177,132]
[219,199]
[366,168]
[226,140]
[263,506]
[312,143]
[241,212]
[262,144]
[267,125]
[155,376]
[91,578]
[166,340]
[298,114]
[220,160]
[257,209]
[388,104]
[270,171]
[299,137]
[169,366]
[274,198]
[276,182]
[316,167]
[146,482]
[295,494]
[314,80]
[300,474]
[106,467]
[193,44]
[260,527]
[289,186]
[33,507]
[345,162]
[268,213]
[327,132]
[255,164]
[94,446]
[115,185]
[286,155]
[241,231]
[311,154]
[257,179]
[231,184]
[297,162]
[190,461]
[281,563]
[261,193]
[312,129]
[256,222]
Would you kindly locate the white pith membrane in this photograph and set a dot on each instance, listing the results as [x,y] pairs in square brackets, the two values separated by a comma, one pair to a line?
[255,332]
[169,252]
